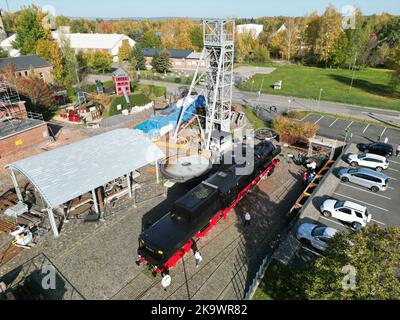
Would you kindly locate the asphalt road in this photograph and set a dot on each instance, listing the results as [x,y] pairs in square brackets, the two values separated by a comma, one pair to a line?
[283,105]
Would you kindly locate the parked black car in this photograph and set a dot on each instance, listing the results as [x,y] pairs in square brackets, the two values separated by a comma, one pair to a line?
[382,149]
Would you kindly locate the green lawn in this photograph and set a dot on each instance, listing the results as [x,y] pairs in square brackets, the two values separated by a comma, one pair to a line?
[370,88]
[255,121]
[281,282]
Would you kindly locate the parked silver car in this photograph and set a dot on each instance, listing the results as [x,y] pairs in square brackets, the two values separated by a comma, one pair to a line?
[316,236]
[373,180]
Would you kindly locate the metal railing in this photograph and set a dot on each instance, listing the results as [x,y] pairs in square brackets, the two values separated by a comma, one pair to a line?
[26,282]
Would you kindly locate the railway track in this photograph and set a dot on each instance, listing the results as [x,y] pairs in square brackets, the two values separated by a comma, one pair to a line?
[143,293]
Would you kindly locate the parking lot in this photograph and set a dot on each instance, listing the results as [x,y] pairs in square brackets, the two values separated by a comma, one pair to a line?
[383,206]
[359,132]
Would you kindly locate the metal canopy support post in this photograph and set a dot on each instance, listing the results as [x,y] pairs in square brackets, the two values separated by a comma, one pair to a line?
[128,178]
[17,189]
[96,205]
[157,172]
[53,222]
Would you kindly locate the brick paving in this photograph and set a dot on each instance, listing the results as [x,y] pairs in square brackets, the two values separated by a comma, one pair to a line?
[98,258]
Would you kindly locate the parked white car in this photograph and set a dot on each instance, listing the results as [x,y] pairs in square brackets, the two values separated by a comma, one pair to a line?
[316,236]
[346,211]
[368,160]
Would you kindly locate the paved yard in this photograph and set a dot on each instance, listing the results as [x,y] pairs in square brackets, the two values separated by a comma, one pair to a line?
[249,71]
[98,259]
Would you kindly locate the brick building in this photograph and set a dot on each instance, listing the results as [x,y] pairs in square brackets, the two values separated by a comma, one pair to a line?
[180,59]
[19,129]
[24,64]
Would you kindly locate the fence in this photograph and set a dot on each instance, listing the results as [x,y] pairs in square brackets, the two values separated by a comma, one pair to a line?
[300,205]
[25,282]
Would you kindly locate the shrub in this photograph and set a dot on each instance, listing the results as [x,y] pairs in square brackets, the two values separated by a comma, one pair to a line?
[178,80]
[294,132]
[157,91]
[293,114]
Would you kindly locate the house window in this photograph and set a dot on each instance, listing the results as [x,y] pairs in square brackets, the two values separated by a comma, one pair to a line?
[41,75]
[19,74]
[26,73]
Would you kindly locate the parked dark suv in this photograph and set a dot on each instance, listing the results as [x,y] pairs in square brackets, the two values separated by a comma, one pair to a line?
[382,149]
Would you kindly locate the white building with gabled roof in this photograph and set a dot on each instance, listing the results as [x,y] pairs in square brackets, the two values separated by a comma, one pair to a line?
[95,41]
[83,42]
[253,29]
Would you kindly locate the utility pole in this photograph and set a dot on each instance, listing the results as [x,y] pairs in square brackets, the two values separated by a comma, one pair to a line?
[354,72]
[259,92]
[289,102]
[319,99]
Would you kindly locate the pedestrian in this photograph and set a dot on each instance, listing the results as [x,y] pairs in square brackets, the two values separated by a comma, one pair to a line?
[198,258]
[311,177]
[398,150]
[166,281]
[311,165]
[386,140]
[304,177]
[247,218]
[194,246]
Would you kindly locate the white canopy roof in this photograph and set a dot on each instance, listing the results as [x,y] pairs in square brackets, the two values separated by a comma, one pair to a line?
[65,173]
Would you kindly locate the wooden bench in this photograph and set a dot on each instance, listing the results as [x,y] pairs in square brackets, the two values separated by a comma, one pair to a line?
[79,211]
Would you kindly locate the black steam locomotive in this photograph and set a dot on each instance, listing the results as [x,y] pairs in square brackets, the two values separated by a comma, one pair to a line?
[164,243]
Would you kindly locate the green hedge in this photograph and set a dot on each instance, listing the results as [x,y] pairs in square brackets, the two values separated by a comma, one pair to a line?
[158,91]
[135,99]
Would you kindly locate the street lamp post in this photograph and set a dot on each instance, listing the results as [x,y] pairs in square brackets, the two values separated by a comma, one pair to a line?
[252,84]
[319,99]
[289,102]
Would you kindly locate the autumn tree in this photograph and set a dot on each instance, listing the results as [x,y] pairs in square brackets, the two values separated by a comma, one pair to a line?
[285,43]
[394,63]
[329,34]
[62,21]
[196,38]
[176,34]
[30,30]
[72,68]
[50,51]
[98,60]
[363,265]
[322,35]
[7,73]
[290,39]
[359,37]
[38,94]
[124,51]
[82,26]
[150,40]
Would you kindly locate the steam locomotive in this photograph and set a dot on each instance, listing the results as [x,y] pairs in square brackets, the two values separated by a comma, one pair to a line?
[164,243]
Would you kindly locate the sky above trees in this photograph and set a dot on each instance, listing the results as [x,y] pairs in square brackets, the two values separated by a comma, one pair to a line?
[205,8]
